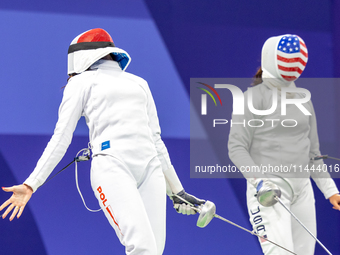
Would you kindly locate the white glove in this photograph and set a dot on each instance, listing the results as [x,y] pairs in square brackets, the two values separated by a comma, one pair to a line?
[183,207]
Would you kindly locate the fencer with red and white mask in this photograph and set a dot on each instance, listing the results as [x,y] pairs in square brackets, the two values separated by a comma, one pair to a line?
[131,171]
[264,153]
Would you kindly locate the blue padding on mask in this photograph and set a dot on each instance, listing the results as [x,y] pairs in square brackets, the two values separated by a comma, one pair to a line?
[121,58]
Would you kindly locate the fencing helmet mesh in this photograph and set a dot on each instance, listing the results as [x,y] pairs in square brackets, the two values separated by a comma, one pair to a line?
[91,46]
[284,57]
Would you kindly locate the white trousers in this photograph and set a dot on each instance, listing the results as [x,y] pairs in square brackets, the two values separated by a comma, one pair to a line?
[277,224]
[135,208]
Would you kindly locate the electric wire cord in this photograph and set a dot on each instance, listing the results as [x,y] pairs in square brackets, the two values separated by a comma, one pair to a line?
[85,155]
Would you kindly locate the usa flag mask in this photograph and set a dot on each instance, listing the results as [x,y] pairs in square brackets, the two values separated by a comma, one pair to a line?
[284,57]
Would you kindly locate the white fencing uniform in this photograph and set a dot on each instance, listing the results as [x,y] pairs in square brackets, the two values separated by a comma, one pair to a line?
[276,145]
[129,157]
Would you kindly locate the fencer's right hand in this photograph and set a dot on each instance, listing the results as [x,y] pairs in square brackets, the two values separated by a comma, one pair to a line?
[21,195]
[185,208]
[266,193]
[335,201]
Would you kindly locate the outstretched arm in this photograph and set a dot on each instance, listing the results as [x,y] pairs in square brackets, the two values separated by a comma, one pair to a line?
[21,195]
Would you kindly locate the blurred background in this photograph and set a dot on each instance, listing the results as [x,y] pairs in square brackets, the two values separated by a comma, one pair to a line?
[169,41]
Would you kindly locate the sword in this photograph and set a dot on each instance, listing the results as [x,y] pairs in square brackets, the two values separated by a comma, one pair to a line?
[207,212]
[280,201]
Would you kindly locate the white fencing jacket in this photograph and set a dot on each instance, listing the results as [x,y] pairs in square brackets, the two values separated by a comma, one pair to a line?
[276,145]
[122,119]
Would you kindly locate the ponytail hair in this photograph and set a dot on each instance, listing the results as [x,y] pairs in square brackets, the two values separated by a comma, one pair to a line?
[69,77]
[257,78]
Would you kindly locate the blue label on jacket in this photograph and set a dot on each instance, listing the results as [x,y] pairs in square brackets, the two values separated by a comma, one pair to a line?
[105,145]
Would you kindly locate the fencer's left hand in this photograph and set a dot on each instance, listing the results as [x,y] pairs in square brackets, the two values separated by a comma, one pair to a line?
[17,202]
[183,207]
[335,201]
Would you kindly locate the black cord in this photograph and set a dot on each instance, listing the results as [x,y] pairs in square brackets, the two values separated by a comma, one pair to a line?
[84,157]
[58,172]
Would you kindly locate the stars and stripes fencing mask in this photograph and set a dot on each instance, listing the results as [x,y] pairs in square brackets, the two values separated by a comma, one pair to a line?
[284,57]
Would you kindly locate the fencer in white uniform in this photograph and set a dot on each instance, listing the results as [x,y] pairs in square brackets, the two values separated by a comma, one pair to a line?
[273,144]
[131,171]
